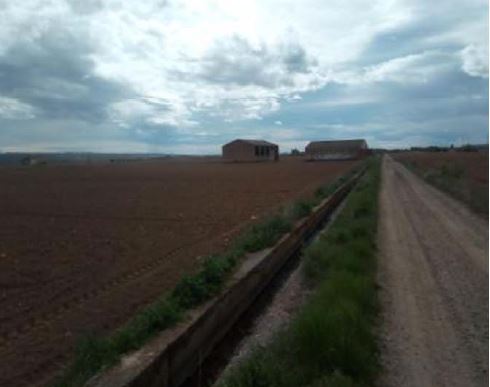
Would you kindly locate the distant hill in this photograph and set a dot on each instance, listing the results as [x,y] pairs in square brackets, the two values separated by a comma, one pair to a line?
[18,158]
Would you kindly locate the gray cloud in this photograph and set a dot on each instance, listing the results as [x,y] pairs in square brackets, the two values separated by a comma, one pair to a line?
[86,7]
[445,25]
[236,61]
[160,74]
[54,74]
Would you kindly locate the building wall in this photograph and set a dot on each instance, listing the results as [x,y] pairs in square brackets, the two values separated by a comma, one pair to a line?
[331,153]
[238,151]
[242,151]
[266,152]
[328,155]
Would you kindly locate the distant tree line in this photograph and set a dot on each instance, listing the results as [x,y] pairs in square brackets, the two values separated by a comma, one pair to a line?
[462,148]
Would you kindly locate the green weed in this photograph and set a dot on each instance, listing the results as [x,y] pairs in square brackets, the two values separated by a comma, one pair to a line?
[96,353]
[299,209]
[331,341]
[260,236]
[454,179]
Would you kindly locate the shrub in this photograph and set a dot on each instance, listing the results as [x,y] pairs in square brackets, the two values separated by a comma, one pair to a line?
[299,209]
[263,235]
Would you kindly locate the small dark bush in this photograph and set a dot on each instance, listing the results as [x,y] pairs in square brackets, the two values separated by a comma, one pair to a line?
[264,235]
[191,291]
[299,210]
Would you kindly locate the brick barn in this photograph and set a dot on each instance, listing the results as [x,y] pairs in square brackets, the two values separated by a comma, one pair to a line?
[250,150]
[337,150]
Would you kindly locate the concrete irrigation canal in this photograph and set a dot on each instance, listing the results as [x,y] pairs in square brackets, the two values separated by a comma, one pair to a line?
[180,356]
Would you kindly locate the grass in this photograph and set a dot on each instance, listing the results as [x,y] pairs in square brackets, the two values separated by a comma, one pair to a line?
[93,353]
[331,341]
[262,235]
[300,209]
[303,207]
[96,353]
[453,178]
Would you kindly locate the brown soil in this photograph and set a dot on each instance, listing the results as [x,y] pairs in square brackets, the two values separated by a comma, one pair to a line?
[475,164]
[463,175]
[82,248]
[434,286]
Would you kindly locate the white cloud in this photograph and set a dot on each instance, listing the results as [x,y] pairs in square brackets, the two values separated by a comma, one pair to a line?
[347,100]
[278,122]
[475,60]
[411,68]
[186,64]
[149,110]
[13,109]
[294,97]
[180,51]
[418,67]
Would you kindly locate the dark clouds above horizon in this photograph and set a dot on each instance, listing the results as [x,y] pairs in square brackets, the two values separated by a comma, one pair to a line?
[187,76]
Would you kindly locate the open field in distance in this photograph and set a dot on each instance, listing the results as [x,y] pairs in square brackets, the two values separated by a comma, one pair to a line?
[82,248]
[464,175]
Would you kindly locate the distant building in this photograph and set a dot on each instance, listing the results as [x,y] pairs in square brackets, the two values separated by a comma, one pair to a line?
[29,160]
[250,150]
[336,150]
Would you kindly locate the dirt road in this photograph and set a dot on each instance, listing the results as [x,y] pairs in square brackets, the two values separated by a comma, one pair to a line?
[434,286]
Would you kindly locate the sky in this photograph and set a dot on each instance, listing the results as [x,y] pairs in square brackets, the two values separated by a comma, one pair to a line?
[168,76]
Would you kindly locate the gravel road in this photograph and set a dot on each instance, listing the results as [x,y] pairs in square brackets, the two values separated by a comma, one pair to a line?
[433,276]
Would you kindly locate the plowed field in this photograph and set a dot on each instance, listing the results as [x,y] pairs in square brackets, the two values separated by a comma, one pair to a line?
[82,248]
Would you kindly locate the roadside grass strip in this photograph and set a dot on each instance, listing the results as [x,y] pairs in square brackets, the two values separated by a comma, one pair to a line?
[331,341]
[94,354]
[454,179]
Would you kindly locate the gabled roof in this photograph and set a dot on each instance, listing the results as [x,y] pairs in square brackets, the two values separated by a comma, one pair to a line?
[253,142]
[338,144]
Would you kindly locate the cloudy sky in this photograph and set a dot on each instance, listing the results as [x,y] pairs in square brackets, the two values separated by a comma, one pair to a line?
[185,76]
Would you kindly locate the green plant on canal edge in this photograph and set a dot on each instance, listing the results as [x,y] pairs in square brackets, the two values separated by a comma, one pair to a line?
[95,353]
[331,341]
